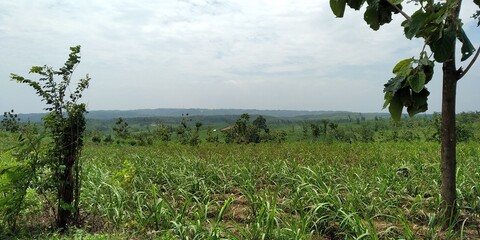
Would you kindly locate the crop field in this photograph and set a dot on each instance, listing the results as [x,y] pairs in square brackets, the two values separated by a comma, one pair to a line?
[269,191]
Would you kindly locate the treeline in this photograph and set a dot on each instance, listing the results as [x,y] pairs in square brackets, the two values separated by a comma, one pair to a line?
[247,129]
[189,131]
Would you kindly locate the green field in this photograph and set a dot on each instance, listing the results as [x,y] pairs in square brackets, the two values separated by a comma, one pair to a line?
[360,179]
[266,191]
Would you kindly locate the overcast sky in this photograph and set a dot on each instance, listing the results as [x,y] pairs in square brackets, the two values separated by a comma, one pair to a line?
[260,54]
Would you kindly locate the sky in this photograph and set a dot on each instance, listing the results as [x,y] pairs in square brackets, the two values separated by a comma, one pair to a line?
[244,54]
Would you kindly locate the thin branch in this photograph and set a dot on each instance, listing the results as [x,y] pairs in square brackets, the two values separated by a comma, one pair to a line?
[404,14]
[462,73]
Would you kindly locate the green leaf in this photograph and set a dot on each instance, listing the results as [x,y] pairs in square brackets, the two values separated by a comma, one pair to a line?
[413,110]
[403,67]
[405,96]
[444,48]
[66,206]
[395,108]
[467,46]
[417,81]
[385,11]
[338,7]
[388,96]
[412,27]
[394,84]
[428,70]
[371,17]
[36,69]
[378,13]
[426,62]
[355,4]
[396,2]
[420,102]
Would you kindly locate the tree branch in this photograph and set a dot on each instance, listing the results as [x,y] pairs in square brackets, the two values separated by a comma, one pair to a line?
[404,14]
[463,72]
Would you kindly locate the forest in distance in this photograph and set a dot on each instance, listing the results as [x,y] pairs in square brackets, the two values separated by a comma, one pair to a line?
[164,114]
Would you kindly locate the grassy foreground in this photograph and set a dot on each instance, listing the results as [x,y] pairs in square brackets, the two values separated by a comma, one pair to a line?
[271,191]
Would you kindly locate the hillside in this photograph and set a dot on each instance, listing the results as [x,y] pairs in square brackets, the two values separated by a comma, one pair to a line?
[172,114]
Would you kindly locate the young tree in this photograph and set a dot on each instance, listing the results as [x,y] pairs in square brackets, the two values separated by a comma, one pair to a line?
[65,123]
[243,132]
[439,25]
[121,128]
[261,123]
[315,130]
[10,121]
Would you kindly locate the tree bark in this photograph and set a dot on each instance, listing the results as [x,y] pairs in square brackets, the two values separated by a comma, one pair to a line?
[448,129]
[65,194]
[448,140]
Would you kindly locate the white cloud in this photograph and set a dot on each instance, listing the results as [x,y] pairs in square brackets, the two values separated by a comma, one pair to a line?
[276,54]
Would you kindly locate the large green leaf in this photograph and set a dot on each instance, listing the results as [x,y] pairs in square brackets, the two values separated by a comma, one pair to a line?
[420,103]
[403,67]
[371,17]
[467,46]
[395,108]
[379,12]
[388,96]
[338,7]
[394,84]
[413,110]
[417,81]
[428,70]
[412,27]
[355,4]
[384,12]
[405,96]
[444,48]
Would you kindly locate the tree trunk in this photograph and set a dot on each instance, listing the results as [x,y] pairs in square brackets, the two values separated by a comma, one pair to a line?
[65,194]
[448,133]
[448,136]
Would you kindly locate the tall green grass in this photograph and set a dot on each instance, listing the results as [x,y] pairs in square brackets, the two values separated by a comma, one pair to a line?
[269,191]
[288,191]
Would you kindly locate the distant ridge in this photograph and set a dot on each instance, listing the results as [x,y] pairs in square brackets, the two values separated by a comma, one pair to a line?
[177,112]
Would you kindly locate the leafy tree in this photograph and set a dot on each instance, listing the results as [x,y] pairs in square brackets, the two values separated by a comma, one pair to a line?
[108,139]
[325,126]
[121,128]
[333,126]
[439,25]
[261,123]
[183,130]
[210,136]
[195,135]
[65,123]
[10,121]
[243,132]
[462,132]
[315,130]
[305,127]
[185,133]
[97,137]
[163,132]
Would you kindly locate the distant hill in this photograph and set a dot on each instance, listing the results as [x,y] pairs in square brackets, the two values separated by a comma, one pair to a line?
[175,113]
